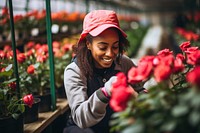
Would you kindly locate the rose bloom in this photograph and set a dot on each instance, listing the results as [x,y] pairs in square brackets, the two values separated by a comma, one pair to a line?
[141,73]
[121,93]
[120,97]
[121,80]
[194,76]
[164,52]
[31,69]
[29,45]
[41,58]
[194,58]
[12,85]
[191,50]
[21,57]
[178,64]
[56,44]
[185,45]
[7,48]
[28,100]
[162,72]
[67,47]
[2,54]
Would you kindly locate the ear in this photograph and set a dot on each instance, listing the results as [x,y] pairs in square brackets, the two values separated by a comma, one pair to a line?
[88,45]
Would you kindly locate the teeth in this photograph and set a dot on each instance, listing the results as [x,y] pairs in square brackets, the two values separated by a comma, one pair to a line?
[107,60]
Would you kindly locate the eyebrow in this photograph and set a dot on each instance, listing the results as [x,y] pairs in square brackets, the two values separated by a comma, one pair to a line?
[107,43]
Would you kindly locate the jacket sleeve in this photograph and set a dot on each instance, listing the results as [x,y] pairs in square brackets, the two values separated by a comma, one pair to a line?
[85,111]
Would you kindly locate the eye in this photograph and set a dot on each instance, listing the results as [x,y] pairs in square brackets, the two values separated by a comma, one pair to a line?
[116,46]
[103,48]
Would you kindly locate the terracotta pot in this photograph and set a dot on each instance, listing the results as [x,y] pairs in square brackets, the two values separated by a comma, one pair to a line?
[31,114]
[11,125]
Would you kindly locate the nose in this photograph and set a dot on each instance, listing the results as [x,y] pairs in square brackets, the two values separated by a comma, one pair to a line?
[109,52]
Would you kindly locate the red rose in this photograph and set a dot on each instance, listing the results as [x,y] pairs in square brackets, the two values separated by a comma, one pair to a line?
[41,58]
[191,50]
[29,45]
[28,99]
[12,85]
[120,97]
[141,73]
[121,80]
[37,46]
[162,72]
[194,58]
[180,56]
[4,11]
[31,69]
[67,47]
[184,45]
[21,57]
[29,52]
[164,52]
[9,54]
[56,44]
[194,76]
[178,65]
[42,50]
[7,48]
[2,54]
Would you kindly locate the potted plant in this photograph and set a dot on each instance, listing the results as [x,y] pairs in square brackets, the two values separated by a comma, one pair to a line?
[172,104]
[12,104]
[36,67]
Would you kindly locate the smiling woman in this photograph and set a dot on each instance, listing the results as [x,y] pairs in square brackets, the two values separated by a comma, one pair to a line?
[88,79]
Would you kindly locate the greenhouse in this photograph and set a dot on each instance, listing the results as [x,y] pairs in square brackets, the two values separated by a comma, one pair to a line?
[99,66]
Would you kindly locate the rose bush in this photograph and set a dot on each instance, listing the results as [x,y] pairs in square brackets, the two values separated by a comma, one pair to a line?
[171,105]
[33,65]
[10,103]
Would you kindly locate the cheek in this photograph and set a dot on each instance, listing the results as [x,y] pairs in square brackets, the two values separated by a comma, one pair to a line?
[116,51]
[96,52]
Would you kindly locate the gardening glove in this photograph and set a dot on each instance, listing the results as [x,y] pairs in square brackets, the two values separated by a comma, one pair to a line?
[108,85]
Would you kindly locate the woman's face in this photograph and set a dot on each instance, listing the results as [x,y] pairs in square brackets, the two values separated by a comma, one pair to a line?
[105,48]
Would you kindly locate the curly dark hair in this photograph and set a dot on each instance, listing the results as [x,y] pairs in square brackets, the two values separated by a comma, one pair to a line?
[84,56]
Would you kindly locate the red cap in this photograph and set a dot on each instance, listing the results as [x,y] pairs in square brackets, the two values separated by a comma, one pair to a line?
[97,21]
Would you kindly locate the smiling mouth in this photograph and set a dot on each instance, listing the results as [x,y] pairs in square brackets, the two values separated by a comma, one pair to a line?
[108,60]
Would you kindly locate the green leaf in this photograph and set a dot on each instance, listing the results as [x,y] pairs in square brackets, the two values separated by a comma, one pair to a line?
[36,65]
[8,68]
[194,118]
[169,126]
[15,115]
[180,110]
[195,101]
[134,128]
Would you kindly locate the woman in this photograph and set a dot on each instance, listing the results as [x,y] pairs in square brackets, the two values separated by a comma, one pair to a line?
[88,79]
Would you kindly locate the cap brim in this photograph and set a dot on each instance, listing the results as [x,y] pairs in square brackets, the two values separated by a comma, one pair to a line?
[99,30]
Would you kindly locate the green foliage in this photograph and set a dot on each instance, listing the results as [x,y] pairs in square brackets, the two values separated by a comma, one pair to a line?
[10,105]
[135,37]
